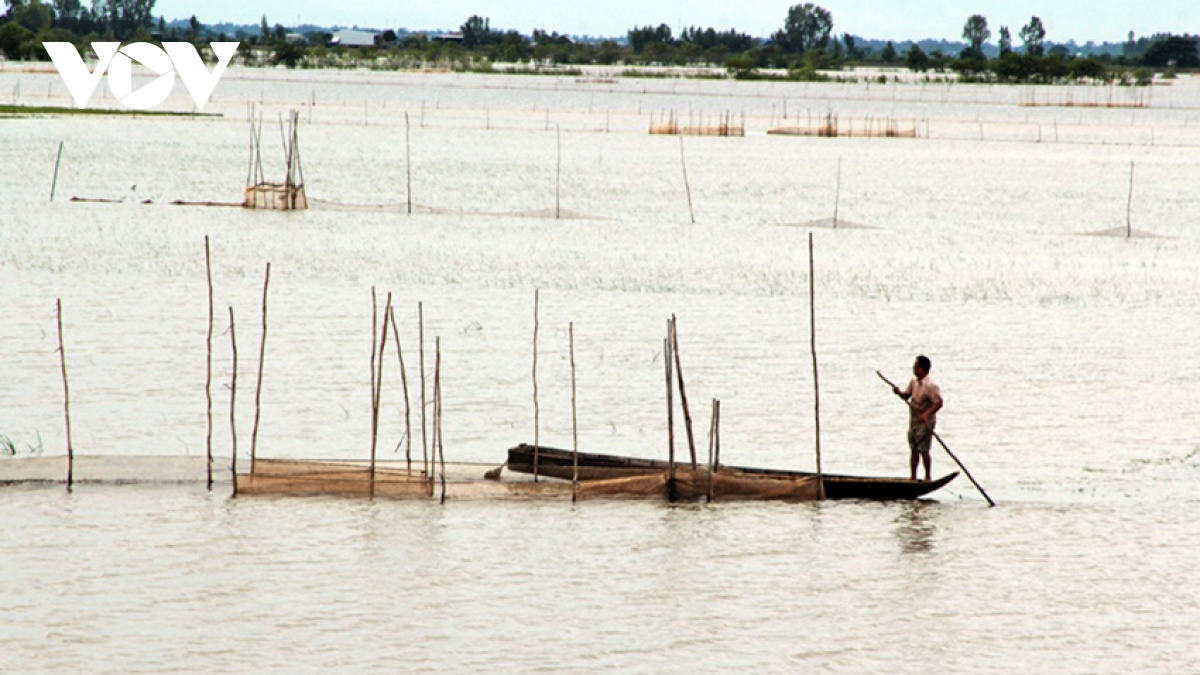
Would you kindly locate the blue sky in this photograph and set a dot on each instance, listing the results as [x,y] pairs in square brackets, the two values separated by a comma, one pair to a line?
[1082,20]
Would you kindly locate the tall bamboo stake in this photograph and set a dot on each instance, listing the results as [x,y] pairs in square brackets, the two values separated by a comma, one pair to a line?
[208,367]
[408,161]
[687,415]
[437,407]
[233,404]
[421,358]
[686,185]
[62,357]
[670,409]
[378,379]
[1129,206]
[536,421]
[57,160]
[374,340]
[262,353]
[717,434]
[712,437]
[574,420]
[407,405]
[812,318]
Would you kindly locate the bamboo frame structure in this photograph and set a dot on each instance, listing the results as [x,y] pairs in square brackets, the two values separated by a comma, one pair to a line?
[687,186]
[421,357]
[670,406]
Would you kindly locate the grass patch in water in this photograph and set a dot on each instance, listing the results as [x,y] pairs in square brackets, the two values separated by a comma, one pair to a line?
[56,110]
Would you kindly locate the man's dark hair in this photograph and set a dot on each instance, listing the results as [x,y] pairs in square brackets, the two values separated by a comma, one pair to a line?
[923,361]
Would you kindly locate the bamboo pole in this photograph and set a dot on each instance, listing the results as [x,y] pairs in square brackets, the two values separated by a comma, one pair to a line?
[208,367]
[408,161]
[717,434]
[686,185]
[944,446]
[233,403]
[62,357]
[407,405]
[812,317]
[262,353]
[57,160]
[712,437]
[1129,206]
[574,420]
[536,425]
[687,415]
[670,408]
[421,358]
[378,382]
[437,407]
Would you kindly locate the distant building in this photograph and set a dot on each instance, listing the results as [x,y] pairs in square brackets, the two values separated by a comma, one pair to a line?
[354,38]
[452,36]
[294,38]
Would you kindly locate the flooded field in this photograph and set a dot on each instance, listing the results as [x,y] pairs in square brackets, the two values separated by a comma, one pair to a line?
[1068,363]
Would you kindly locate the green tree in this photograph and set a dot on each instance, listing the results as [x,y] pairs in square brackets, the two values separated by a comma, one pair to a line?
[806,27]
[1173,51]
[15,40]
[194,29]
[1033,34]
[888,54]
[1090,68]
[1005,41]
[916,59]
[477,32]
[976,32]
[287,53]
[264,31]
[33,15]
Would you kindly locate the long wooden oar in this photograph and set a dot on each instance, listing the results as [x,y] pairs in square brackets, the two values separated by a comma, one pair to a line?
[946,448]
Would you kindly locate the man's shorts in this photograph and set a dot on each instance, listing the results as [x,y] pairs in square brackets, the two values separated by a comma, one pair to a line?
[920,439]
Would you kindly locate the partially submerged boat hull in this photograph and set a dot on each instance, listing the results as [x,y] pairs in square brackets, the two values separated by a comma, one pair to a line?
[558,463]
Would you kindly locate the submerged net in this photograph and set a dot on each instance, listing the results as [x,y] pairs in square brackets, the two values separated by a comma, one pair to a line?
[694,485]
[300,478]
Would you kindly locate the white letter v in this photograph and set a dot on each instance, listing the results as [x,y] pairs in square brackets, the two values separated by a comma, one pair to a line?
[74,73]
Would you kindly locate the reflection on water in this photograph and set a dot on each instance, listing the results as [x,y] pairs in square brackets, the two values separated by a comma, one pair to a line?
[915,527]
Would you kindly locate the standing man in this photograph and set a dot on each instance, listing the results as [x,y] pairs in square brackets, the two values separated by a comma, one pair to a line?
[924,400]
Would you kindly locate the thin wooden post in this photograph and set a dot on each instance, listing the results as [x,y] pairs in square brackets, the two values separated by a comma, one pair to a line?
[574,420]
[437,407]
[62,357]
[712,437]
[686,185]
[558,173]
[421,357]
[262,353]
[208,367]
[687,415]
[670,409]
[1129,206]
[536,424]
[812,318]
[717,434]
[377,378]
[57,160]
[407,405]
[233,403]
[408,161]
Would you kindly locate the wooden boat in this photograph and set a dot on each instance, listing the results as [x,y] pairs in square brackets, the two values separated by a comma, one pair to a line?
[558,463]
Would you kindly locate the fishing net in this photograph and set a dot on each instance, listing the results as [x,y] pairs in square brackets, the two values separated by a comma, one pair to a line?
[689,485]
[299,478]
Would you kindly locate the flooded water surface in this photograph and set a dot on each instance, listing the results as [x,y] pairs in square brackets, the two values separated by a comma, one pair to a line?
[1068,361]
